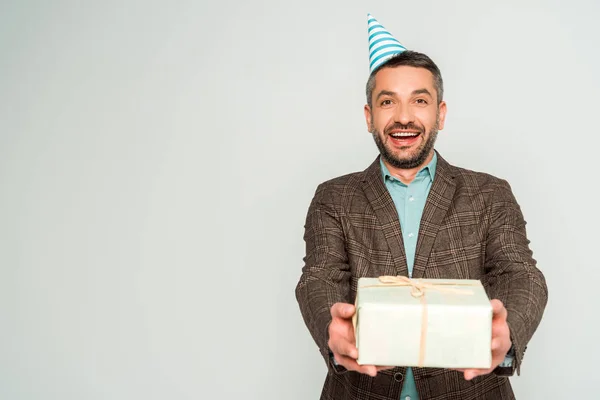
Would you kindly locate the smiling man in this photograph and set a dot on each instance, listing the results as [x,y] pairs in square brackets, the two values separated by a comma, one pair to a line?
[404,114]
[411,213]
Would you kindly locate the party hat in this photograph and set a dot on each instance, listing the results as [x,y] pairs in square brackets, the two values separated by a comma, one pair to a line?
[382,45]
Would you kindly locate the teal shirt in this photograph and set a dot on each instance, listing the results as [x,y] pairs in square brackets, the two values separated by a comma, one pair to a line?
[410,201]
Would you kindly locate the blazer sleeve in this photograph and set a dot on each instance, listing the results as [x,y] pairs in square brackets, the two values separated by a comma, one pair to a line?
[325,278]
[510,272]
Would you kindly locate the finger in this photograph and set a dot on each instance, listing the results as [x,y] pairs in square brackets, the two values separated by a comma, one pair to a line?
[351,365]
[470,374]
[342,310]
[370,370]
[496,344]
[458,369]
[349,350]
[496,304]
[341,338]
[474,372]
[342,328]
[500,328]
[383,368]
[343,347]
[500,339]
[498,309]
[500,342]
[499,349]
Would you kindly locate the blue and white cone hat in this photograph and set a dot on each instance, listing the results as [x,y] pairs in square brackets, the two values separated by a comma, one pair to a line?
[382,45]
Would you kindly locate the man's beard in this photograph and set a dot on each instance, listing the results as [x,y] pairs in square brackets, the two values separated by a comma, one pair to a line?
[414,160]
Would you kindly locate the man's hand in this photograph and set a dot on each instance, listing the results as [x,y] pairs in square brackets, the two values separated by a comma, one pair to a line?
[343,343]
[500,341]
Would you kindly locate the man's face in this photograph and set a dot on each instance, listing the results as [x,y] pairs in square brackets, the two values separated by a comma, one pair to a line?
[405,116]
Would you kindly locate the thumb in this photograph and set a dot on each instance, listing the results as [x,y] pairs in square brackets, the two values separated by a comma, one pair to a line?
[342,310]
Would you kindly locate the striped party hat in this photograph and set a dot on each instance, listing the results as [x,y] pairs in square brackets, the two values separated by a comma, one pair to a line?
[382,45]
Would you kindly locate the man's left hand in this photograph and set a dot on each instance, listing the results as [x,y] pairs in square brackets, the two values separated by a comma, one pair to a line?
[500,341]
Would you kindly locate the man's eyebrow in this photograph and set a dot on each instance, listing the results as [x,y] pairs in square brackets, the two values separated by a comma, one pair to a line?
[421,91]
[414,93]
[385,93]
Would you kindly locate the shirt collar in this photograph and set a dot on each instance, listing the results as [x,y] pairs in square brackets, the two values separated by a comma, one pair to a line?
[426,171]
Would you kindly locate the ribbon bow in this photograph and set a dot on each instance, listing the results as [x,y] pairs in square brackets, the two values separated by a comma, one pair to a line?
[418,287]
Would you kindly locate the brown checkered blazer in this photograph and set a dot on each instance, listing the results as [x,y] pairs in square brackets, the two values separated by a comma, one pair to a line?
[471,228]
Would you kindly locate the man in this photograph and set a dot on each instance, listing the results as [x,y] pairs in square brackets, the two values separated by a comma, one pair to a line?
[411,213]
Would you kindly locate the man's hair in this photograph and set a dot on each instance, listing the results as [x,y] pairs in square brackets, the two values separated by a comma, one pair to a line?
[411,59]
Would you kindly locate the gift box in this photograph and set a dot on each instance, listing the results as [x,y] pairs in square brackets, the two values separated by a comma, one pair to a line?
[423,323]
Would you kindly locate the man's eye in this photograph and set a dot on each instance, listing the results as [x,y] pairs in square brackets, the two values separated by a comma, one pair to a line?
[386,102]
[421,101]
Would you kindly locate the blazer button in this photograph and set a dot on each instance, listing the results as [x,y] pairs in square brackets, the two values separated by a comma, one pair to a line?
[398,377]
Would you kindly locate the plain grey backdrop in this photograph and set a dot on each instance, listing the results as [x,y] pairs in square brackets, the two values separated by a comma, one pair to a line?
[157,160]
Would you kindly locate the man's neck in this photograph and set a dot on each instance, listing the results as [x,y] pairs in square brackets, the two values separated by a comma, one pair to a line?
[406,176]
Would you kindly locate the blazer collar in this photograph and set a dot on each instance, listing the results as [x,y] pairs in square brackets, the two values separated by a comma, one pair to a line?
[437,205]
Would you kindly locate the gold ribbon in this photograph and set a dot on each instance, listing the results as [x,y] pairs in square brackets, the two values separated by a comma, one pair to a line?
[418,290]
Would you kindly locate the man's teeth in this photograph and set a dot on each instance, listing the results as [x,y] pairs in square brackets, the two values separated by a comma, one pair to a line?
[404,134]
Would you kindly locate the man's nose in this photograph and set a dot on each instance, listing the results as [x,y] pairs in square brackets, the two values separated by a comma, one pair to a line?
[403,115]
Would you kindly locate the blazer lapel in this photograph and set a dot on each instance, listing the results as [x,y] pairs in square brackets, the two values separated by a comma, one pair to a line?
[438,201]
[386,213]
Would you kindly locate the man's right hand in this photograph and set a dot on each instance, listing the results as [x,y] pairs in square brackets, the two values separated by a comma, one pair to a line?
[343,343]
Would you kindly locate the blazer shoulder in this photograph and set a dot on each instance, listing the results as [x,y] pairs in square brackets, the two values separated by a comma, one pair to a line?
[334,191]
[478,182]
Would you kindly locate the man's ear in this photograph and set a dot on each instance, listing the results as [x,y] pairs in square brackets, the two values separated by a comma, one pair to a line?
[442,109]
[368,117]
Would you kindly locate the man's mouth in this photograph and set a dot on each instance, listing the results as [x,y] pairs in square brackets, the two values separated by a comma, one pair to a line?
[408,135]
[404,138]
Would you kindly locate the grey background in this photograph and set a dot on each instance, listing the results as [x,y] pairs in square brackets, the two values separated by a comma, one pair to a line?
[157,160]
